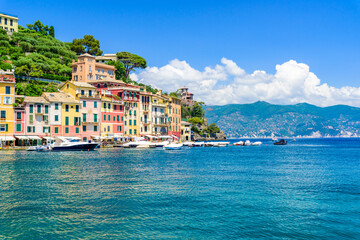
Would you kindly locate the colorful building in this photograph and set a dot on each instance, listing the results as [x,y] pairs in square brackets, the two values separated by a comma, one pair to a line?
[174,116]
[145,109]
[7,98]
[86,69]
[67,115]
[90,109]
[159,121]
[9,22]
[37,124]
[185,131]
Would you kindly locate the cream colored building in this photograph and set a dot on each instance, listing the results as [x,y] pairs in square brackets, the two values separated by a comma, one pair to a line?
[185,131]
[9,22]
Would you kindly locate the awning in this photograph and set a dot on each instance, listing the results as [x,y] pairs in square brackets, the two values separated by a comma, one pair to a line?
[7,138]
[21,137]
[34,138]
[48,138]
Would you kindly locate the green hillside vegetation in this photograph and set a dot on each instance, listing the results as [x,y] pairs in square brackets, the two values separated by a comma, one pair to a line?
[264,119]
[36,53]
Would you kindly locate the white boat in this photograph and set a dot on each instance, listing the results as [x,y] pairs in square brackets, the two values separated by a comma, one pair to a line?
[247,143]
[173,146]
[32,148]
[198,144]
[72,144]
[162,144]
[43,148]
[138,144]
[241,143]
[256,143]
[188,144]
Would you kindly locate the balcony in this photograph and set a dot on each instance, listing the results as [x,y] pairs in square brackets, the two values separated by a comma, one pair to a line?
[90,122]
[2,118]
[159,105]
[39,113]
[146,122]
[160,124]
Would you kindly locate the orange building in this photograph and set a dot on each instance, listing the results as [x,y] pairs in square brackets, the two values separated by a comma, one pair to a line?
[86,69]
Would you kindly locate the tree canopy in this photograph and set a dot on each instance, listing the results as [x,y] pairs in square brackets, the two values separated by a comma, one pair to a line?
[41,28]
[130,62]
[119,69]
[88,44]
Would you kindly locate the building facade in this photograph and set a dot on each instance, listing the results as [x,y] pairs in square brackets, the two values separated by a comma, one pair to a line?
[9,22]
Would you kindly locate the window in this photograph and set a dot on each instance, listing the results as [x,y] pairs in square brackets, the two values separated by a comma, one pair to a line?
[95,117]
[84,103]
[77,108]
[122,119]
[45,129]
[84,117]
[108,129]
[7,90]
[31,119]
[38,108]
[46,109]
[8,100]
[67,121]
[67,85]
[46,118]
[95,104]
[30,129]
[82,92]
[115,107]
[134,112]
[90,93]
[113,118]
[56,118]
[134,122]
[56,106]
[95,128]
[125,123]
[130,122]
[104,117]
[18,115]
[6,21]
[130,131]
[66,130]
[129,112]
[77,130]
[18,127]
[11,22]
[109,106]
[109,117]
[119,128]
[118,118]
[98,85]
[3,114]
[105,105]
[31,108]
[66,108]
[134,131]
[145,128]
[56,129]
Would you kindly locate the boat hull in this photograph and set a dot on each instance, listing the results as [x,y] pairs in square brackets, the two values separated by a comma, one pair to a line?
[79,147]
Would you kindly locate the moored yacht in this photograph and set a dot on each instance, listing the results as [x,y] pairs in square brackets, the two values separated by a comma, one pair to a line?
[72,144]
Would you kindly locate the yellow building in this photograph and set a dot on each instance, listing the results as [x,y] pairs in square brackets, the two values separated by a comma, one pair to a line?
[7,98]
[107,109]
[9,22]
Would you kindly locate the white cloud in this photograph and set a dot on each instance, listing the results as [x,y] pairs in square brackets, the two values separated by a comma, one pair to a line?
[228,83]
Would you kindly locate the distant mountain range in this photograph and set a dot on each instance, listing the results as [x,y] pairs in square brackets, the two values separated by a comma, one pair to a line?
[262,119]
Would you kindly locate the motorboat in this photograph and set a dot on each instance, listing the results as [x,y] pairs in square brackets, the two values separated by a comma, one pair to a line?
[281,142]
[189,144]
[72,144]
[173,146]
[198,144]
[162,144]
[32,148]
[138,144]
[241,143]
[256,143]
[43,148]
[247,143]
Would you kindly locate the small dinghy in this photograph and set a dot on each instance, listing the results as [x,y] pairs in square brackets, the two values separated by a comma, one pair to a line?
[173,146]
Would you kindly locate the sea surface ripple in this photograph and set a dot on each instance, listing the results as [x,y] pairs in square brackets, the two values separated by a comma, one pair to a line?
[308,189]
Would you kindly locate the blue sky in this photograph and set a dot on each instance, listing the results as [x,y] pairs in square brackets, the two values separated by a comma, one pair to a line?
[325,35]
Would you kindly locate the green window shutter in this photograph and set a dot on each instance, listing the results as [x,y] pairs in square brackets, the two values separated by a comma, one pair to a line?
[118,118]
[104,117]
[95,117]
[66,130]
[125,123]
[56,130]
[77,130]
[67,121]
[134,131]
[109,117]
[134,112]
[7,127]
[84,117]
[18,127]
[134,122]
[129,122]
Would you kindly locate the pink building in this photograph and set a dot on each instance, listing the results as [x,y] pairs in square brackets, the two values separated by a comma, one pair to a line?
[37,113]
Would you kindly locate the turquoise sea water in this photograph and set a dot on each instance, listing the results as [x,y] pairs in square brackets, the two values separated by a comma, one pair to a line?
[309,189]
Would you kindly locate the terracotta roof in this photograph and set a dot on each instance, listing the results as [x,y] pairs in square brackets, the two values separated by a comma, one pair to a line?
[35,100]
[106,80]
[83,84]
[60,97]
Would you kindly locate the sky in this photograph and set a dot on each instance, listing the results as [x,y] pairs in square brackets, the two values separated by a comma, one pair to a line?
[282,52]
